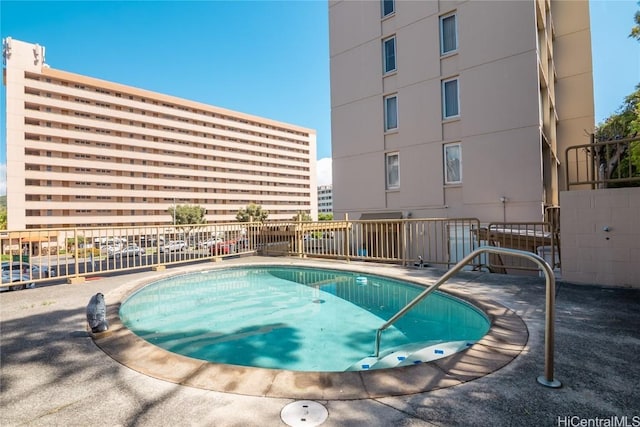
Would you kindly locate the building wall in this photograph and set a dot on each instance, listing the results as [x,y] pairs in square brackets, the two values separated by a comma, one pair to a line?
[325,199]
[600,237]
[574,79]
[507,111]
[87,151]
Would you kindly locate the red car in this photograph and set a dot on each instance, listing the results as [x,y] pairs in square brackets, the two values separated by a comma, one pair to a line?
[223,248]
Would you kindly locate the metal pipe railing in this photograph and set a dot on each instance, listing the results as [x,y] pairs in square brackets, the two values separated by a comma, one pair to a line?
[601,163]
[546,379]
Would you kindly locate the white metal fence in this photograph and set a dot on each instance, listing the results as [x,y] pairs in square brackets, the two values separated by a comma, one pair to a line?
[32,256]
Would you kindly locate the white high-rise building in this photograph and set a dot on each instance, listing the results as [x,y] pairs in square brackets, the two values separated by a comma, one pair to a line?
[87,152]
[325,199]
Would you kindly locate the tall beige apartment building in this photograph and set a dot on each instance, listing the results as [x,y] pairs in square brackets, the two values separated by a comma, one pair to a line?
[457,108]
[87,152]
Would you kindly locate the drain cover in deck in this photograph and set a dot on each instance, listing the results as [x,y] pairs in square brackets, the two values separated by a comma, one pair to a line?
[304,413]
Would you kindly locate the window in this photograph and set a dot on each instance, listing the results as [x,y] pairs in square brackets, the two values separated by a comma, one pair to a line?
[452,164]
[388,7]
[390,112]
[392,170]
[448,34]
[389,54]
[450,103]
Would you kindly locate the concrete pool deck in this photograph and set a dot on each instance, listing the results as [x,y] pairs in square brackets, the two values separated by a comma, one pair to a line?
[52,372]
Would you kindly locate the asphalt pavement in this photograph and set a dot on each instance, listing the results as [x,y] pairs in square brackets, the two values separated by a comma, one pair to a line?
[52,373]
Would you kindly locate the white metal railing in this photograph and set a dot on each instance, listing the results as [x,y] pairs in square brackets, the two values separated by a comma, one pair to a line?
[74,253]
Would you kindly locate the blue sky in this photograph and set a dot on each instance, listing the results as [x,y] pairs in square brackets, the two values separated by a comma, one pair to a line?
[267,58]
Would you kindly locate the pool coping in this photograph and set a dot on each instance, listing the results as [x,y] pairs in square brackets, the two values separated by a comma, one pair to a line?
[506,339]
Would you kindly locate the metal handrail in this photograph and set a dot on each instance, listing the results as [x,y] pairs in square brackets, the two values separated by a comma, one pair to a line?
[546,379]
[597,155]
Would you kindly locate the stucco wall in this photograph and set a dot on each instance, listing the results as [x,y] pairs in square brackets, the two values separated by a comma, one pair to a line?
[515,89]
[590,253]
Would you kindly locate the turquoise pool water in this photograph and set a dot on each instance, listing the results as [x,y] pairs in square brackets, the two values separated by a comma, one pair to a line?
[299,319]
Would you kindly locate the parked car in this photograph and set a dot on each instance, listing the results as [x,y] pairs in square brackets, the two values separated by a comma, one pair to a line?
[210,242]
[129,250]
[11,275]
[35,271]
[174,246]
[111,250]
[223,248]
[150,242]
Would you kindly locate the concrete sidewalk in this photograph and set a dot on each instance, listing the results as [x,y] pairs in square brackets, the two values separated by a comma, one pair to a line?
[52,373]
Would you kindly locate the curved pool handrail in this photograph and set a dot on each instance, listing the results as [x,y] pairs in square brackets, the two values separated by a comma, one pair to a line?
[546,379]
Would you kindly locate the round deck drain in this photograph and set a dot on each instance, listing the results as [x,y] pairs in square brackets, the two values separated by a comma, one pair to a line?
[304,413]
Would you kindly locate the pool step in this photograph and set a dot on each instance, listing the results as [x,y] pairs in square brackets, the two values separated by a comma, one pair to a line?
[411,354]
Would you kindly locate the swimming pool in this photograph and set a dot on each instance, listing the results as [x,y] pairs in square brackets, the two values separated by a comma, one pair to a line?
[299,319]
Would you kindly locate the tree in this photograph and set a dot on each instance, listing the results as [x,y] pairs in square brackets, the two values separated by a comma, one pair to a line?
[618,161]
[186,216]
[3,218]
[302,216]
[635,30]
[252,213]
[625,123]
[621,160]
[325,217]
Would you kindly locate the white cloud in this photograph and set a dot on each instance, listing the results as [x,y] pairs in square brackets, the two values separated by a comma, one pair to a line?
[323,167]
[3,180]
